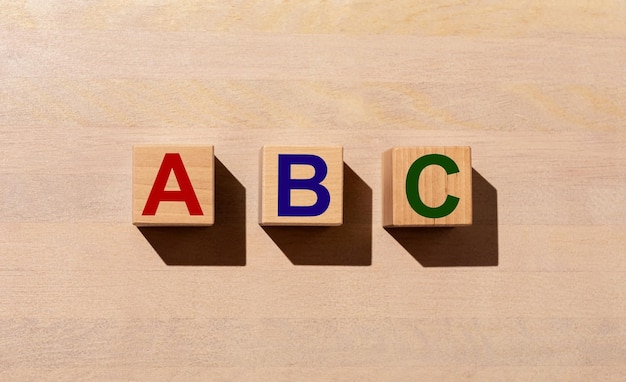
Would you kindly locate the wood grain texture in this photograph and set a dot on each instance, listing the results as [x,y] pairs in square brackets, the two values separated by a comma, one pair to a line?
[535,289]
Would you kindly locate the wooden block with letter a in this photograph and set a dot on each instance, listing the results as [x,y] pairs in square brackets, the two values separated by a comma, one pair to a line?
[427,186]
[301,186]
[173,185]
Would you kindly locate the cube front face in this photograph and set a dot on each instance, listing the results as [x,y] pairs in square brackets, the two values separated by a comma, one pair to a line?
[301,186]
[427,186]
[173,185]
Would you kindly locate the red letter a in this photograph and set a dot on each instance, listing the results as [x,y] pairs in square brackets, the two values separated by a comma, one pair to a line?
[172,162]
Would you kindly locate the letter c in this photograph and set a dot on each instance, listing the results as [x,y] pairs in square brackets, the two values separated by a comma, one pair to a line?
[412,186]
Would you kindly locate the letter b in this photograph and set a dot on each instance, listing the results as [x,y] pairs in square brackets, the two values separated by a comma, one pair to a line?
[301,186]
[286,183]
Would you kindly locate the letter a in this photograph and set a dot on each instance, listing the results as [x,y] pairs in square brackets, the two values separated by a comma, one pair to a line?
[172,162]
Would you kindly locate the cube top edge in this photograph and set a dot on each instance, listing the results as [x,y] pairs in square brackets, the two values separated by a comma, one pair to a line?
[426,146]
[157,146]
[301,147]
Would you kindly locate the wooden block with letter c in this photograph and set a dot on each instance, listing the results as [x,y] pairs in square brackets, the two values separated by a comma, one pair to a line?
[427,186]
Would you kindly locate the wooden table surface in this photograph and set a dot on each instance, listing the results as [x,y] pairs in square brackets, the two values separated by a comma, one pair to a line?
[534,290]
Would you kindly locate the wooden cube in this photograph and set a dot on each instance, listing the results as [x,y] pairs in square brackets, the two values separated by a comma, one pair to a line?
[427,186]
[173,185]
[301,186]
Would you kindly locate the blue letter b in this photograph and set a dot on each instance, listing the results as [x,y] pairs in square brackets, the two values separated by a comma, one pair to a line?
[286,184]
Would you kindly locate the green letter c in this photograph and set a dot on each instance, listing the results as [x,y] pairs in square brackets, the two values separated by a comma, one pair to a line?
[412,186]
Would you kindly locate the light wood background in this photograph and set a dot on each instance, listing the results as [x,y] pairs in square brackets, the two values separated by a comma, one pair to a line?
[538,286]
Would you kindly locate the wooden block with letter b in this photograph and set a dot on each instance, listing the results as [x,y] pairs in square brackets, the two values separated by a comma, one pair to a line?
[427,186]
[173,185]
[301,186]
